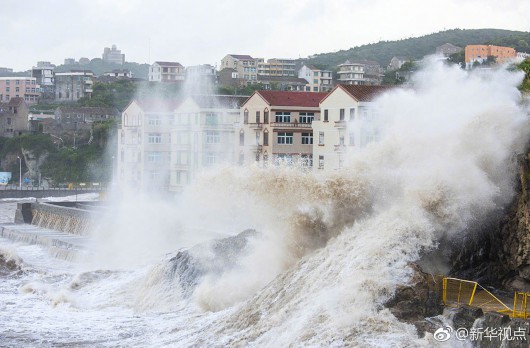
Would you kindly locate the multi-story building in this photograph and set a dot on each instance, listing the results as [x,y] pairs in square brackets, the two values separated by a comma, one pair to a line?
[277,67]
[44,77]
[73,85]
[346,124]
[82,118]
[364,72]
[13,117]
[397,62]
[166,72]
[6,70]
[282,83]
[317,80]
[112,55]
[275,126]
[119,74]
[447,49]
[23,87]
[245,66]
[202,136]
[351,73]
[144,143]
[480,53]
[229,77]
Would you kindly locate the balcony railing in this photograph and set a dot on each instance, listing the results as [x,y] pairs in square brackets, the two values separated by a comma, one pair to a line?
[256,148]
[340,148]
[255,125]
[340,124]
[291,125]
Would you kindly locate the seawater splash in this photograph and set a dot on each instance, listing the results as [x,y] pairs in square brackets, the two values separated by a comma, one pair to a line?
[444,162]
[329,250]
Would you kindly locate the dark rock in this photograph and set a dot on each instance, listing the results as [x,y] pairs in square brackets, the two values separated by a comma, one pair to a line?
[465,316]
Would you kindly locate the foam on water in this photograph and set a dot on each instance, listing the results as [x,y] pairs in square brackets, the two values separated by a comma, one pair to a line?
[332,248]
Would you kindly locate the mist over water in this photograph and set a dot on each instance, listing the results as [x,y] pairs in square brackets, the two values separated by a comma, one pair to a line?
[329,249]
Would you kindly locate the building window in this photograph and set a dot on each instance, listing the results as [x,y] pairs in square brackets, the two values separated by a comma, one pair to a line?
[307,117]
[211,159]
[212,119]
[241,158]
[352,139]
[154,120]
[154,138]
[17,82]
[285,138]
[341,114]
[7,89]
[213,137]
[306,160]
[341,140]
[154,157]
[320,138]
[307,138]
[321,162]
[266,116]
[241,138]
[283,117]
[325,115]
[266,138]
[257,117]
[352,114]
[9,120]
[245,117]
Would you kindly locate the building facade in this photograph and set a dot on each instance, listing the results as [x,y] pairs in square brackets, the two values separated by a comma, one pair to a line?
[277,67]
[480,53]
[82,118]
[45,79]
[351,73]
[276,127]
[397,62]
[144,143]
[166,72]
[346,124]
[317,80]
[13,117]
[448,49]
[112,55]
[19,87]
[245,66]
[73,85]
[202,136]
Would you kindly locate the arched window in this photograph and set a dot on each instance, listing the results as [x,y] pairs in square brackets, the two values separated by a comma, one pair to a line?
[245,118]
[266,137]
[266,116]
[241,138]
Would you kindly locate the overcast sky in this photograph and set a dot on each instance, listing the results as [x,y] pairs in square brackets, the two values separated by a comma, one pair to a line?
[200,31]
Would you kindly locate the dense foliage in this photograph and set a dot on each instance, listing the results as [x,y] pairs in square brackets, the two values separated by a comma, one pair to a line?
[416,48]
[525,67]
[117,94]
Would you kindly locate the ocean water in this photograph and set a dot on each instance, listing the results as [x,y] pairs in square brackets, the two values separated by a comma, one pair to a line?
[329,249]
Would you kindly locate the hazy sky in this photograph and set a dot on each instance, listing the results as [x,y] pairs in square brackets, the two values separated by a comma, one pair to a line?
[199,31]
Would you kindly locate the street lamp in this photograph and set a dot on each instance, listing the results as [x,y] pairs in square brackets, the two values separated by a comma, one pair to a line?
[20,172]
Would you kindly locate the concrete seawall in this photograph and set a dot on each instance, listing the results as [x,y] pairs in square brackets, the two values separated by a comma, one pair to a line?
[26,193]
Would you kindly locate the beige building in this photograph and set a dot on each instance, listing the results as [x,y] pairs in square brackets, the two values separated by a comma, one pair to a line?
[351,73]
[346,124]
[202,136]
[277,67]
[317,80]
[245,66]
[275,126]
[144,141]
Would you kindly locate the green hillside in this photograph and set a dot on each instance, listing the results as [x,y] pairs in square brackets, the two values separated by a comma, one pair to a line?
[416,48]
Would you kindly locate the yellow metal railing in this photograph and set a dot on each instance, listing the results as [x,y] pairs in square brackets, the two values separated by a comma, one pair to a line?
[456,292]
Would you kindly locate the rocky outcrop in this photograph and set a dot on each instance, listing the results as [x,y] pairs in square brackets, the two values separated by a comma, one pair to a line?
[417,300]
[33,163]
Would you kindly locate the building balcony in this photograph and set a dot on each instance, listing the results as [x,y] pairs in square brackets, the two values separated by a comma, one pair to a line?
[220,126]
[89,82]
[340,148]
[256,148]
[180,166]
[255,125]
[291,125]
[341,124]
[88,90]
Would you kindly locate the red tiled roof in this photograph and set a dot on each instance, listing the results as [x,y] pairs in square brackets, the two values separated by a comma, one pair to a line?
[364,92]
[241,56]
[288,98]
[168,63]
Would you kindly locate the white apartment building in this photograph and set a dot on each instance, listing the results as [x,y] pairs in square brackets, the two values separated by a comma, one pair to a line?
[144,142]
[202,136]
[351,73]
[346,124]
[317,80]
[166,72]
